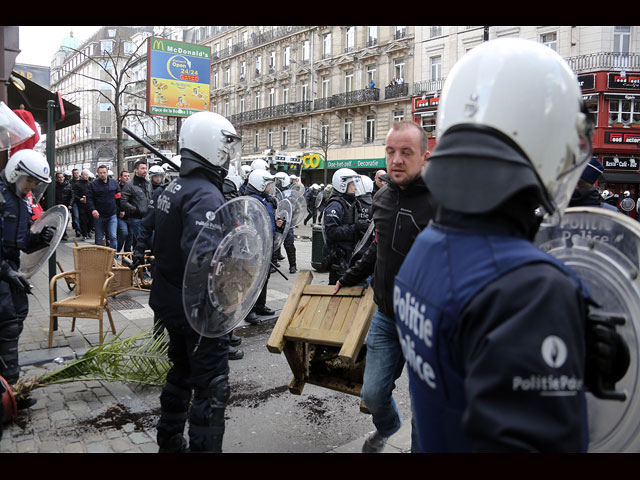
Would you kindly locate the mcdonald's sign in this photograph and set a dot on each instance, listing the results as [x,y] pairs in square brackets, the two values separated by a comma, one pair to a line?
[178,77]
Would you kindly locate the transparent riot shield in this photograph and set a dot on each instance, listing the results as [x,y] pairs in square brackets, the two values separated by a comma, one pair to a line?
[319,198]
[603,248]
[56,216]
[227,267]
[284,211]
[299,204]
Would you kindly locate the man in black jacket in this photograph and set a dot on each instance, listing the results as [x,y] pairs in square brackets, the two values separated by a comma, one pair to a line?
[84,220]
[136,194]
[101,199]
[64,195]
[401,209]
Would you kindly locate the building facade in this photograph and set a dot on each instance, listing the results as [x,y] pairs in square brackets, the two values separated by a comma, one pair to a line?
[606,60]
[327,94]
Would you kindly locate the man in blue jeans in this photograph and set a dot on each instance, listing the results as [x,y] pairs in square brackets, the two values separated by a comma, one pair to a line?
[400,210]
[101,199]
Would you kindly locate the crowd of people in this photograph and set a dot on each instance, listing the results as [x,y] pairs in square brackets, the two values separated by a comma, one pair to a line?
[486,323]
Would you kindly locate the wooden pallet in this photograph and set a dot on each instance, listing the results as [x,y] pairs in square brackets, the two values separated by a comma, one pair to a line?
[322,334]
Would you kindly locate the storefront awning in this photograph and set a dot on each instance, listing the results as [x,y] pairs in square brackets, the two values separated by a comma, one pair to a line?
[35,98]
[616,177]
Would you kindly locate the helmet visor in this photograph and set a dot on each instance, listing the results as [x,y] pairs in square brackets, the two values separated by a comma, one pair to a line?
[359,185]
[13,131]
[572,167]
[233,145]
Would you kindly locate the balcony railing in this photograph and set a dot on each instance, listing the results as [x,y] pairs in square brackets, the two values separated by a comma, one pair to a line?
[604,61]
[396,91]
[271,112]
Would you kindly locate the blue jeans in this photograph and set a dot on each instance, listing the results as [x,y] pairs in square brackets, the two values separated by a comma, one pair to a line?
[383,365]
[75,214]
[125,237]
[133,224]
[108,225]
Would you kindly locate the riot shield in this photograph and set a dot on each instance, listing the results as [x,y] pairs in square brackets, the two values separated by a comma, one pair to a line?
[284,211]
[603,248]
[57,216]
[319,198]
[299,204]
[227,266]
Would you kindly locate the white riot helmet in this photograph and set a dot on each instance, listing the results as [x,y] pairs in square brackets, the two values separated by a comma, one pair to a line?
[259,164]
[523,100]
[245,170]
[343,177]
[212,138]
[177,161]
[294,178]
[627,193]
[282,180]
[27,163]
[260,179]
[234,177]
[367,183]
[156,170]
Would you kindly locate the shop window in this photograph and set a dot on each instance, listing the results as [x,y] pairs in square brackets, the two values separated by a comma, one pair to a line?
[428,124]
[624,111]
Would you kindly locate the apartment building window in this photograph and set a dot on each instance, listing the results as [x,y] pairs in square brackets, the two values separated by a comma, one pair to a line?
[435,31]
[401,32]
[550,40]
[272,97]
[227,76]
[349,39]
[258,65]
[287,56]
[325,87]
[435,67]
[105,129]
[371,74]
[227,112]
[325,133]
[229,45]
[625,111]
[348,81]
[303,135]
[257,100]
[398,116]
[348,133]
[285,136]
[326,45]
[305,51]
[285,95]
[621,39]
[272,61]
[398,69]
[270,138]
[256,140]
[372,36]
[215,79]
[305,92]
[243,70]
[129,48]
[106,46]
[242,105]
[370,127]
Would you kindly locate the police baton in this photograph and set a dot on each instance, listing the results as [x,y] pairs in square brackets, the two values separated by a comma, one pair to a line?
[149,147]
[278,270]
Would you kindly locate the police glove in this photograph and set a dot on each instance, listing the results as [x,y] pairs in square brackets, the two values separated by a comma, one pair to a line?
[608,358]
[138,259]
[46,235]
[362,226]
[13,278]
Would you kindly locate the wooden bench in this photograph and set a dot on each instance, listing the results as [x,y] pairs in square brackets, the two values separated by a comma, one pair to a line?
[322,335]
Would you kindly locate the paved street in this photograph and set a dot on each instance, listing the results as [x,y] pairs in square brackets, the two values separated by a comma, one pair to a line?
[262,416]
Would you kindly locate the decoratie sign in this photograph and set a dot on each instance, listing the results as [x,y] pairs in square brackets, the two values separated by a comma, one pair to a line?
[178,77]
[361,163]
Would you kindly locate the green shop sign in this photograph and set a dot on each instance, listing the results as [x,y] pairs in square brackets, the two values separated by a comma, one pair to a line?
[361,163]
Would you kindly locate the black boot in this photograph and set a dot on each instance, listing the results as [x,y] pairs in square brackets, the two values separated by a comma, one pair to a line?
[235,353]
[234,340]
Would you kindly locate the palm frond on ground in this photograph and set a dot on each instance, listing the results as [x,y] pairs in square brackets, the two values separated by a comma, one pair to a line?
[141,358]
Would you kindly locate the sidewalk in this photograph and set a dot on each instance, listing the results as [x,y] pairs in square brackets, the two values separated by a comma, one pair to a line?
[60,406]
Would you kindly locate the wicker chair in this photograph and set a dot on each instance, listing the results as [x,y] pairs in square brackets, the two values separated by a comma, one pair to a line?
[125,278]
[92,274]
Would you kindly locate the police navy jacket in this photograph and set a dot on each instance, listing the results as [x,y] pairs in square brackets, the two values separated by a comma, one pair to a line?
[16,237]
[181,210]
[492,329]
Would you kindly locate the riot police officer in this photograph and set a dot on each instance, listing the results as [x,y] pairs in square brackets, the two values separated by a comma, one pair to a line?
[26,171]
[341,226]
[490,324]
[208,144]
[283,182]
[259,186]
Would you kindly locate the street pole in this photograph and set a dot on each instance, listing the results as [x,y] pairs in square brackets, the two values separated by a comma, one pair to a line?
[51,191]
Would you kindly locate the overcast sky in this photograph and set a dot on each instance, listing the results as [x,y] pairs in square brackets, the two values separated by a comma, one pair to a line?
[38,44]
